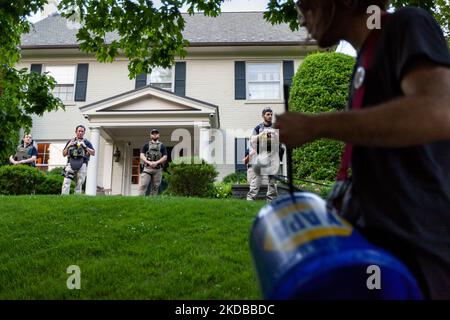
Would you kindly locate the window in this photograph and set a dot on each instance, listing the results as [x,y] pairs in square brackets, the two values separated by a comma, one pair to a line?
[135,166]
[161,78]
[263,81]
[65,81]
[43,156]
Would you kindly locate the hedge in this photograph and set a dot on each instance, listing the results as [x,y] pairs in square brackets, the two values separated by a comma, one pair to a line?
[191,177]
[320,85]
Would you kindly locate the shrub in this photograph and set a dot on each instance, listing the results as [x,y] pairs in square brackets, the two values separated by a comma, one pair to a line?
[237,177]
[222,190]
[320,85]
[52,184]
[191,177]
[21,179]
[55,171]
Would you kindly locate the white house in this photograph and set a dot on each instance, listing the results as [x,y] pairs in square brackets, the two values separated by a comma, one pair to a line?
[205,105]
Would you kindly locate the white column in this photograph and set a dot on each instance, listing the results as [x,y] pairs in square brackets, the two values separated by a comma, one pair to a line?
[107,166]
[91,180]
[204,143]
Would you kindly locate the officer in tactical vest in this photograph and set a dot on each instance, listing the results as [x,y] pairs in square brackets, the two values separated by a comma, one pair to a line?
[77,150]
[153,155]
[26,153]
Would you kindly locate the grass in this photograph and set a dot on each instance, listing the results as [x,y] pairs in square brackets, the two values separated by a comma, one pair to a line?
[126,247]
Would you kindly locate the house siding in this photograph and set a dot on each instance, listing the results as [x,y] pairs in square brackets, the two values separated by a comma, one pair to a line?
[208,78]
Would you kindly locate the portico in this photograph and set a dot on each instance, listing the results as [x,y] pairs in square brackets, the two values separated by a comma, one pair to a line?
[120,125]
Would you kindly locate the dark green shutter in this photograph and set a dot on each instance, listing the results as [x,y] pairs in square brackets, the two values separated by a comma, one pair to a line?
[180,78]
[141,81]
[239,80]
[288,72]
[81,84]
[36,68]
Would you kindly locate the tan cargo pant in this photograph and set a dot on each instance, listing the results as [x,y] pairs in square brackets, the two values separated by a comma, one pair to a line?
[255,183]
[79,179]
[152,177]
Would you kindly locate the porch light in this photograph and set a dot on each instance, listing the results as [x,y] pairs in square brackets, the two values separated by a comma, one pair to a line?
[116,155]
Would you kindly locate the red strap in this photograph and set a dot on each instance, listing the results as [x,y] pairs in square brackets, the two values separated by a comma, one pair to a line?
[358,96]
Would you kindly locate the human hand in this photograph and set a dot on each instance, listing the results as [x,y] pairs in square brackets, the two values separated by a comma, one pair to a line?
[296,128]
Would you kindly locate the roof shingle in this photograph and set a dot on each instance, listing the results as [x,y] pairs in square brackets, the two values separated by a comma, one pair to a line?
[229,28]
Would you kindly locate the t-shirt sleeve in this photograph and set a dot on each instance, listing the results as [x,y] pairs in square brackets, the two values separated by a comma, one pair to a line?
[89,145]
[34,152]
[419,38]
[67,144]
[255,131]
[144,149]
[163,150]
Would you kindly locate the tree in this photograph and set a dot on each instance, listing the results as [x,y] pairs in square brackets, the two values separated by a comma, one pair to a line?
[149,35]
[21,93]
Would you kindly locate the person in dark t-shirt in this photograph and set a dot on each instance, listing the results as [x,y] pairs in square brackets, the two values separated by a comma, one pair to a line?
[400,135]
[153,155]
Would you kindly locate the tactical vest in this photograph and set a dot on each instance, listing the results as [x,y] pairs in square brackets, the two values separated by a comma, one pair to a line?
[23,153]
[76,156]
[154,152]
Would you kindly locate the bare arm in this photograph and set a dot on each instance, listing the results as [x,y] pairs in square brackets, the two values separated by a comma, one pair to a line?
[29,160]
[162,160]
[421,116]
[90,151]
[144,158]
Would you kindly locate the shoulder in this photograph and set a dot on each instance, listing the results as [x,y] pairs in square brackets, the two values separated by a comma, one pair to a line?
[145,146]
[258,128]
[88,143]
[407,13]
[411,17]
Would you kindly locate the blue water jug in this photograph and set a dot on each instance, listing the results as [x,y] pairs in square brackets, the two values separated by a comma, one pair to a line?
[302,250]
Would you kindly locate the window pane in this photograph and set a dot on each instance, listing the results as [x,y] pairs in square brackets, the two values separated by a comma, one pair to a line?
[161,78]
[62,74]
[263,72]
[64,92]
[43,154]
[264,91]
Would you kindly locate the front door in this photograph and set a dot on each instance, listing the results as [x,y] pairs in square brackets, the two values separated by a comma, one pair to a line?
[135,171]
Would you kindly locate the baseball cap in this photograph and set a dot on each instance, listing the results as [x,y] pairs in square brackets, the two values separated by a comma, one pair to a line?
[154,130]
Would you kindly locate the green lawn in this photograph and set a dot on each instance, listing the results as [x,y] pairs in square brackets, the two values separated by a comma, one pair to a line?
[126,247]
